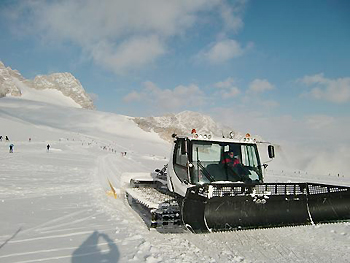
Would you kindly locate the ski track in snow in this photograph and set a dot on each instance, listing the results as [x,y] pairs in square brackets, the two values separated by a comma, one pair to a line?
[57,207]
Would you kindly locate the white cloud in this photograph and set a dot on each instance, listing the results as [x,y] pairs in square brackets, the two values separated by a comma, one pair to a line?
[333,90]
[231,15]
[317,131]
[316,122]
[310,80]
[221,51]
[259,86]
[131,54]
[225,84]
[105,29]
[230,93]
[305,141]
[269,104]
[227,88]
[181,97]
[132,96]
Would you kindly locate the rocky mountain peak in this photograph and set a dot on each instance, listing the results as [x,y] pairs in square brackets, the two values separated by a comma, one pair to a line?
[67,84]
[7,81]
[181,123]
[11,82]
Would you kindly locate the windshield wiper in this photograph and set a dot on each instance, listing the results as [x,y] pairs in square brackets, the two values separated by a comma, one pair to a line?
[205,172]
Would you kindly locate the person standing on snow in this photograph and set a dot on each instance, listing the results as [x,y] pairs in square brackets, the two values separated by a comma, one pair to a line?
[48,147]
[11,148]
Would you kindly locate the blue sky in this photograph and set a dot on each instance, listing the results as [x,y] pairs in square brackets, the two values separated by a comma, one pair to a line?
[270,67]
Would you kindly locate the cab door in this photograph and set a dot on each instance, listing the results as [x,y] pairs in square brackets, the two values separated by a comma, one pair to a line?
[180,160]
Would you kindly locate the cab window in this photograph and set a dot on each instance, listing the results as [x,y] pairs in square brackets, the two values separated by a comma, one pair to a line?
[180,160]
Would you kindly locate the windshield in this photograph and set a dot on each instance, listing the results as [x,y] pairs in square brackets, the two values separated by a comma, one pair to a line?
[217,161]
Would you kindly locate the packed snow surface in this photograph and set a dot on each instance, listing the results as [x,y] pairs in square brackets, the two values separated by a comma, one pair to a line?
[58,205]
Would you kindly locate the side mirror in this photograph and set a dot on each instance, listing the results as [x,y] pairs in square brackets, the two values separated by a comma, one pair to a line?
[271,151]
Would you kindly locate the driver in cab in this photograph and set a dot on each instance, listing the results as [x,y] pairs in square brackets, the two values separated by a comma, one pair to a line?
[231,159]
[233,167]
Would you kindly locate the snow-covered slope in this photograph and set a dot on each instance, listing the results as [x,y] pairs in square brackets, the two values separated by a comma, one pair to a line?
[57,88]
[57,206]
[49,117]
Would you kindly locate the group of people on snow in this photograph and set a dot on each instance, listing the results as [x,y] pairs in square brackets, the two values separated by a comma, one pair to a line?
[6,138]
[11,146]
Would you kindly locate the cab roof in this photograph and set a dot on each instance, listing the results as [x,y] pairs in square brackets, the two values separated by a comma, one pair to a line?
[210,138]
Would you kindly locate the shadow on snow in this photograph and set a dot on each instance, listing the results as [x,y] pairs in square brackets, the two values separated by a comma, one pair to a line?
[90,251]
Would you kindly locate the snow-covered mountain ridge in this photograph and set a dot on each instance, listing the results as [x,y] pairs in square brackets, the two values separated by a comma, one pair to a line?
[65,90]
[182,123]
[12,83]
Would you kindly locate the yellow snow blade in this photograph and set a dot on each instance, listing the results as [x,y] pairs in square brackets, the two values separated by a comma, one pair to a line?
[112,191]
